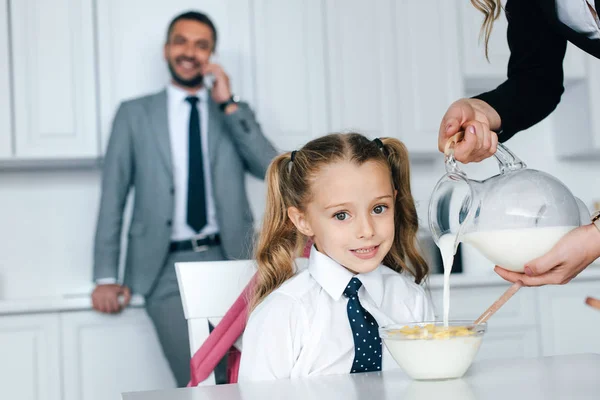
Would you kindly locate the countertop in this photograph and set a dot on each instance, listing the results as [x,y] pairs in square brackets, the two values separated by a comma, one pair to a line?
[573,377]
[81,301]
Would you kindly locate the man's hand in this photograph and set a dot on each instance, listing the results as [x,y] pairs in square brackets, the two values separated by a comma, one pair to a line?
[105,298]
[221,92]
[476,118]
[571,255]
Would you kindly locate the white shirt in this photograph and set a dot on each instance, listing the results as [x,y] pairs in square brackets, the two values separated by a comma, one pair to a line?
[179,119]
[577,15]
[301,329]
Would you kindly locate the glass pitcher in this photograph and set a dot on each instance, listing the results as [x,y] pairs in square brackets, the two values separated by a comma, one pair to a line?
[511,218]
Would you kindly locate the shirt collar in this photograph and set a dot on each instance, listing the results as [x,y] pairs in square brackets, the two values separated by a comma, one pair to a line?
[177,95]
[334,278]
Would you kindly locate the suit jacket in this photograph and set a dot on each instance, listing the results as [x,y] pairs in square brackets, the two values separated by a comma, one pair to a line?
[538,42]
[139,157]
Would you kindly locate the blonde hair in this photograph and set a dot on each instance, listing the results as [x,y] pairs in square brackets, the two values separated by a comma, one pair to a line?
[491,11]
[288,185]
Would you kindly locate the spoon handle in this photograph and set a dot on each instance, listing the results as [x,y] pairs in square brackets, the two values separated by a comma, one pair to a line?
[500,302]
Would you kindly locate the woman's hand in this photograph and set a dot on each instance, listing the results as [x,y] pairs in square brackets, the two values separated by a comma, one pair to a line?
[571,255]
[478,120]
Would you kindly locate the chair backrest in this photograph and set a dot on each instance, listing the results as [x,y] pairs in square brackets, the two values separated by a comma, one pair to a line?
[208,289]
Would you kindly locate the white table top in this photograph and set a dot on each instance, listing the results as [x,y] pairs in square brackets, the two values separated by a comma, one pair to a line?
[572,377]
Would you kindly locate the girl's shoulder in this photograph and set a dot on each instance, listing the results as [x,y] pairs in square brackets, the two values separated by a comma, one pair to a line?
[400,282]
[291,291]
[285,301]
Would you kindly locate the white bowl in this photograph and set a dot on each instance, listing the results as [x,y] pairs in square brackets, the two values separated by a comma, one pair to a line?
[432,353]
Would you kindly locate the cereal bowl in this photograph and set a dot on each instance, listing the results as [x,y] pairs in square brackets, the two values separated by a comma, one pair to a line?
[428,350]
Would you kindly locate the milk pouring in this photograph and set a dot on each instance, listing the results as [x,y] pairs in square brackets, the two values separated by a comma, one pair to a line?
[511,218]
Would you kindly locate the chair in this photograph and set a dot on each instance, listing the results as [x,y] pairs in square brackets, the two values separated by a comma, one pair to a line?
[208,289]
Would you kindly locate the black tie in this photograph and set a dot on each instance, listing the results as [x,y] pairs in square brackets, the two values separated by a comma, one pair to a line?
[196,199]
[367,343]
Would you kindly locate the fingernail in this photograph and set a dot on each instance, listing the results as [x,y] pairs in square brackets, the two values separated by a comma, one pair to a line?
[472,129]
[448,127]
[528,271]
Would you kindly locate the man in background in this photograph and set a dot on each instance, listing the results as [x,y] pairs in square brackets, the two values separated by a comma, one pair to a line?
[185,150]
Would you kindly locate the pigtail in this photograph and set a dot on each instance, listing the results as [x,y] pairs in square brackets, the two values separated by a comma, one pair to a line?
[279,240]
[405,219]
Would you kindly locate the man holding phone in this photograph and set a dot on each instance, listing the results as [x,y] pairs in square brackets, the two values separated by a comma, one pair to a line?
[185,151]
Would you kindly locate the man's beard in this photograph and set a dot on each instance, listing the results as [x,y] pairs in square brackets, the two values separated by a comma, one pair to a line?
[196,81]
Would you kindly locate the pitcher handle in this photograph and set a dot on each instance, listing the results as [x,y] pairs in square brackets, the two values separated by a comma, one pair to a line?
[507,160]
[451,165]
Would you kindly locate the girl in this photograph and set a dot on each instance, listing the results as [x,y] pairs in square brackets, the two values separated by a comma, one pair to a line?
[352,197]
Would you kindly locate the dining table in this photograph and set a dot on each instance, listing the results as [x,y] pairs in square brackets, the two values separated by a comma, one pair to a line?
[564,377]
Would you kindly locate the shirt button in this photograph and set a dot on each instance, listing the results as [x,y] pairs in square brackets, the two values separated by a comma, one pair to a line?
[169,222]
[172,190]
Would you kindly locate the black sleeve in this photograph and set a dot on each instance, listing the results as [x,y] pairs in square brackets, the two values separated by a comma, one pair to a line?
[535,69]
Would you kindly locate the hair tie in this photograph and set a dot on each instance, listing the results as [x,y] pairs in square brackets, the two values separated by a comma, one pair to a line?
[379,143]
[293,156]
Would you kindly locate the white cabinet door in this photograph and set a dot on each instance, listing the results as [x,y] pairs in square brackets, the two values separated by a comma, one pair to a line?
[468,303]
[5,89]
[515,342]
[568,325]
[30,360]
[511,332]
[131,36]
[428,70]
[105,355]
[361,77]
[576,119]
[54,79]
[290,70]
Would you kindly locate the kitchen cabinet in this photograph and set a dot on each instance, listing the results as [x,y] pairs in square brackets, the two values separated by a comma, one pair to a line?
[512,332]
[82,355]
[105,355]
[387,74]
[361,78]
[53,79]
[576,119]
[5,90]
[567,325]
[428,71]
[30,361]
[291,95]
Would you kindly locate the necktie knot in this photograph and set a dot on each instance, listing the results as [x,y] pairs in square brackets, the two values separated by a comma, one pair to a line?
[352,288]
[192,100]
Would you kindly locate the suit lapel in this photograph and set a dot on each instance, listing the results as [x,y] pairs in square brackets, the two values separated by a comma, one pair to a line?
[160,124]
[214,130]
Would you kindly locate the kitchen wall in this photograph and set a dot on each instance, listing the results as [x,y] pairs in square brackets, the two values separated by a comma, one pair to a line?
[48,214]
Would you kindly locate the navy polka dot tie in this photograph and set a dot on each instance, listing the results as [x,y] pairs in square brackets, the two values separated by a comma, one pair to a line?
[367,343]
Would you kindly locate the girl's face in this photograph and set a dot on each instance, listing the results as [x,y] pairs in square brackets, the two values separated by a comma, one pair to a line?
[351,214]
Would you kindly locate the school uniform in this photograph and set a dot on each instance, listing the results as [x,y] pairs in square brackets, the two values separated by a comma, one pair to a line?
[303,328]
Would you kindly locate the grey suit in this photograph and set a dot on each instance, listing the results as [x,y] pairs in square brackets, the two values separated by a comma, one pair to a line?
[139,157]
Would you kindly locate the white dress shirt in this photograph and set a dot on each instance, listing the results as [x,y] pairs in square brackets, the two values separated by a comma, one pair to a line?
[179,119]
[577,15]
[301,329]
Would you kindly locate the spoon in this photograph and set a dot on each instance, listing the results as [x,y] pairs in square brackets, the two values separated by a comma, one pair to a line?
[499,303]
